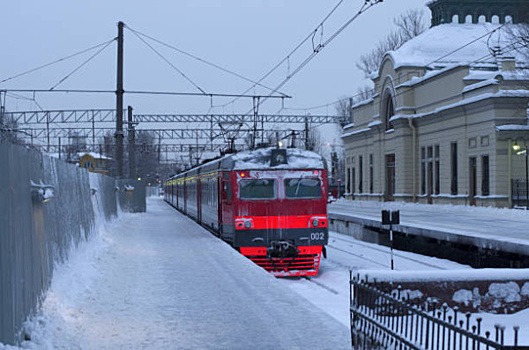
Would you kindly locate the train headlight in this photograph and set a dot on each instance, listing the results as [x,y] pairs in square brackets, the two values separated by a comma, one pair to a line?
[317,221]
[243,223]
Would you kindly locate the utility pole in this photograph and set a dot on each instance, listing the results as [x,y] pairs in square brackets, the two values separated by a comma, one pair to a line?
[307,142]
[119,105]
[132,145]
[255,116]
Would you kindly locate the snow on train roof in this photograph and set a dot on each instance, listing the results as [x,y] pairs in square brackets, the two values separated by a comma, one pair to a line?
[260,159]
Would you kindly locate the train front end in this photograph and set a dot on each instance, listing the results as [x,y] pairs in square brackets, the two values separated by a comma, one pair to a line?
[280,212]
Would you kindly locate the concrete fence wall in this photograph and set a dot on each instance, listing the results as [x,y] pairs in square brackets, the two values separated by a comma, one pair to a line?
[47,207]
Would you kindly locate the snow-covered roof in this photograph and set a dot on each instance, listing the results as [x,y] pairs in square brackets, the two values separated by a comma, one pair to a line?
[260,159]
[93,155]
[452,43]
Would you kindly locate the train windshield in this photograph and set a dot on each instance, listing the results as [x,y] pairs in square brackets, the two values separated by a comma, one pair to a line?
[303,188]
[257,189]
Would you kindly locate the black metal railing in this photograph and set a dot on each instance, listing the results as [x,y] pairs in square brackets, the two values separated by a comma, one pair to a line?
[381,320]
[519,193]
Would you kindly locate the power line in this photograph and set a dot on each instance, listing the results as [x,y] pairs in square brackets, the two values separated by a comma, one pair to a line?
[287,58]
[169,62]
[200,59]
[82,65]
[512,44]
[366,6]
[57,61]
[139,92]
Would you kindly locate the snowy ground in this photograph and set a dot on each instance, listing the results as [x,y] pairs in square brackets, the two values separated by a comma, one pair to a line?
[158,281]
[330,290]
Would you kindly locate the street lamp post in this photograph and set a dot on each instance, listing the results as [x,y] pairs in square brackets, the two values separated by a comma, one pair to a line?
[517,148]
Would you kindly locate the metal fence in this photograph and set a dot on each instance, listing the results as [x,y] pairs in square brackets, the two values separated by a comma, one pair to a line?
[391,321]
[519,193]
[46,208]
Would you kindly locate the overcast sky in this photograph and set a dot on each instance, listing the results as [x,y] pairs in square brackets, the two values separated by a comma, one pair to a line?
[248,37]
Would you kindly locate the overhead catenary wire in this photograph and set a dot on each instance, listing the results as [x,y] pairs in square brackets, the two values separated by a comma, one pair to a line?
[512,44]
[366,6]
[138,92]
[81,66]
[169,63]
[200,59]
[288,56]
[57,61]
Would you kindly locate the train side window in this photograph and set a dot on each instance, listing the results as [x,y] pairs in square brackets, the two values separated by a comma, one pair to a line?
[303,188]
[227,189]
[257,189]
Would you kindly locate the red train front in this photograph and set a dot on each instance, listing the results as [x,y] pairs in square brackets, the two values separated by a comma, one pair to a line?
[270,204]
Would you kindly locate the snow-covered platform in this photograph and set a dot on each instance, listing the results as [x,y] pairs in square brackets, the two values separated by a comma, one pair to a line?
[505,230]
[157,280]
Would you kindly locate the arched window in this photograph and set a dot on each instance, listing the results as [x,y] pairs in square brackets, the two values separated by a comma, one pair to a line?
[390,111]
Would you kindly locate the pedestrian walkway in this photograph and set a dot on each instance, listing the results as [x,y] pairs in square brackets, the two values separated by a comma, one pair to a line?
[159,281]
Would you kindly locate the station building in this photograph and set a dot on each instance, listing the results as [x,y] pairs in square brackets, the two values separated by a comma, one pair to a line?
[448,121]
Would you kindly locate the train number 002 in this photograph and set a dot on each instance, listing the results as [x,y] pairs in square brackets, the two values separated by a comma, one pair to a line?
[317,236]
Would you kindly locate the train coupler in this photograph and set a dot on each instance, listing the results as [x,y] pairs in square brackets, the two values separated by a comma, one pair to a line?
[282,249]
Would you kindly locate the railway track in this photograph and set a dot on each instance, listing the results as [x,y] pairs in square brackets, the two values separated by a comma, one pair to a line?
[381,250]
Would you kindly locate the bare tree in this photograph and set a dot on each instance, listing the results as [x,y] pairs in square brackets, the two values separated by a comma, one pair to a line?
[519,38]
[343,110]
[146,156]
[9,130]
[344,107]
[409,25]
[364,93]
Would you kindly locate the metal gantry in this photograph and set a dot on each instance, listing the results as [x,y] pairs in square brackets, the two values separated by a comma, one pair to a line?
[109,116]
[175,134]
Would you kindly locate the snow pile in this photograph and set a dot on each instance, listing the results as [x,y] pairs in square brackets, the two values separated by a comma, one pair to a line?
[525,290]
[467,297]
[501,298]
[504,292]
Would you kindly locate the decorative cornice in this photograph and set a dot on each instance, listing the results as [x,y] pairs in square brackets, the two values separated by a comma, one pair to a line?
[444,10]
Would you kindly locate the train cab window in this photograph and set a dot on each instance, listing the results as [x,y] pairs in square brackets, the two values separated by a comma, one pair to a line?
[303,188]
[256,189]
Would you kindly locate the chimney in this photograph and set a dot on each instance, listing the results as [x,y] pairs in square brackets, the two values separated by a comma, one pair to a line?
[508,64]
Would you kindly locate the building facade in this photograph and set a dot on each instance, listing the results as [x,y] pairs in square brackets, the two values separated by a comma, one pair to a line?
[448,107]
[95,163]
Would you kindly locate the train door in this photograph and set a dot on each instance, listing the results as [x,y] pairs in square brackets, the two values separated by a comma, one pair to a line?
[226,219]
[199,199]
[185,184]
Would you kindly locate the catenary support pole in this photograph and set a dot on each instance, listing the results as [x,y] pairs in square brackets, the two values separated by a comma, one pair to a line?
[132,144]
[119,105]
